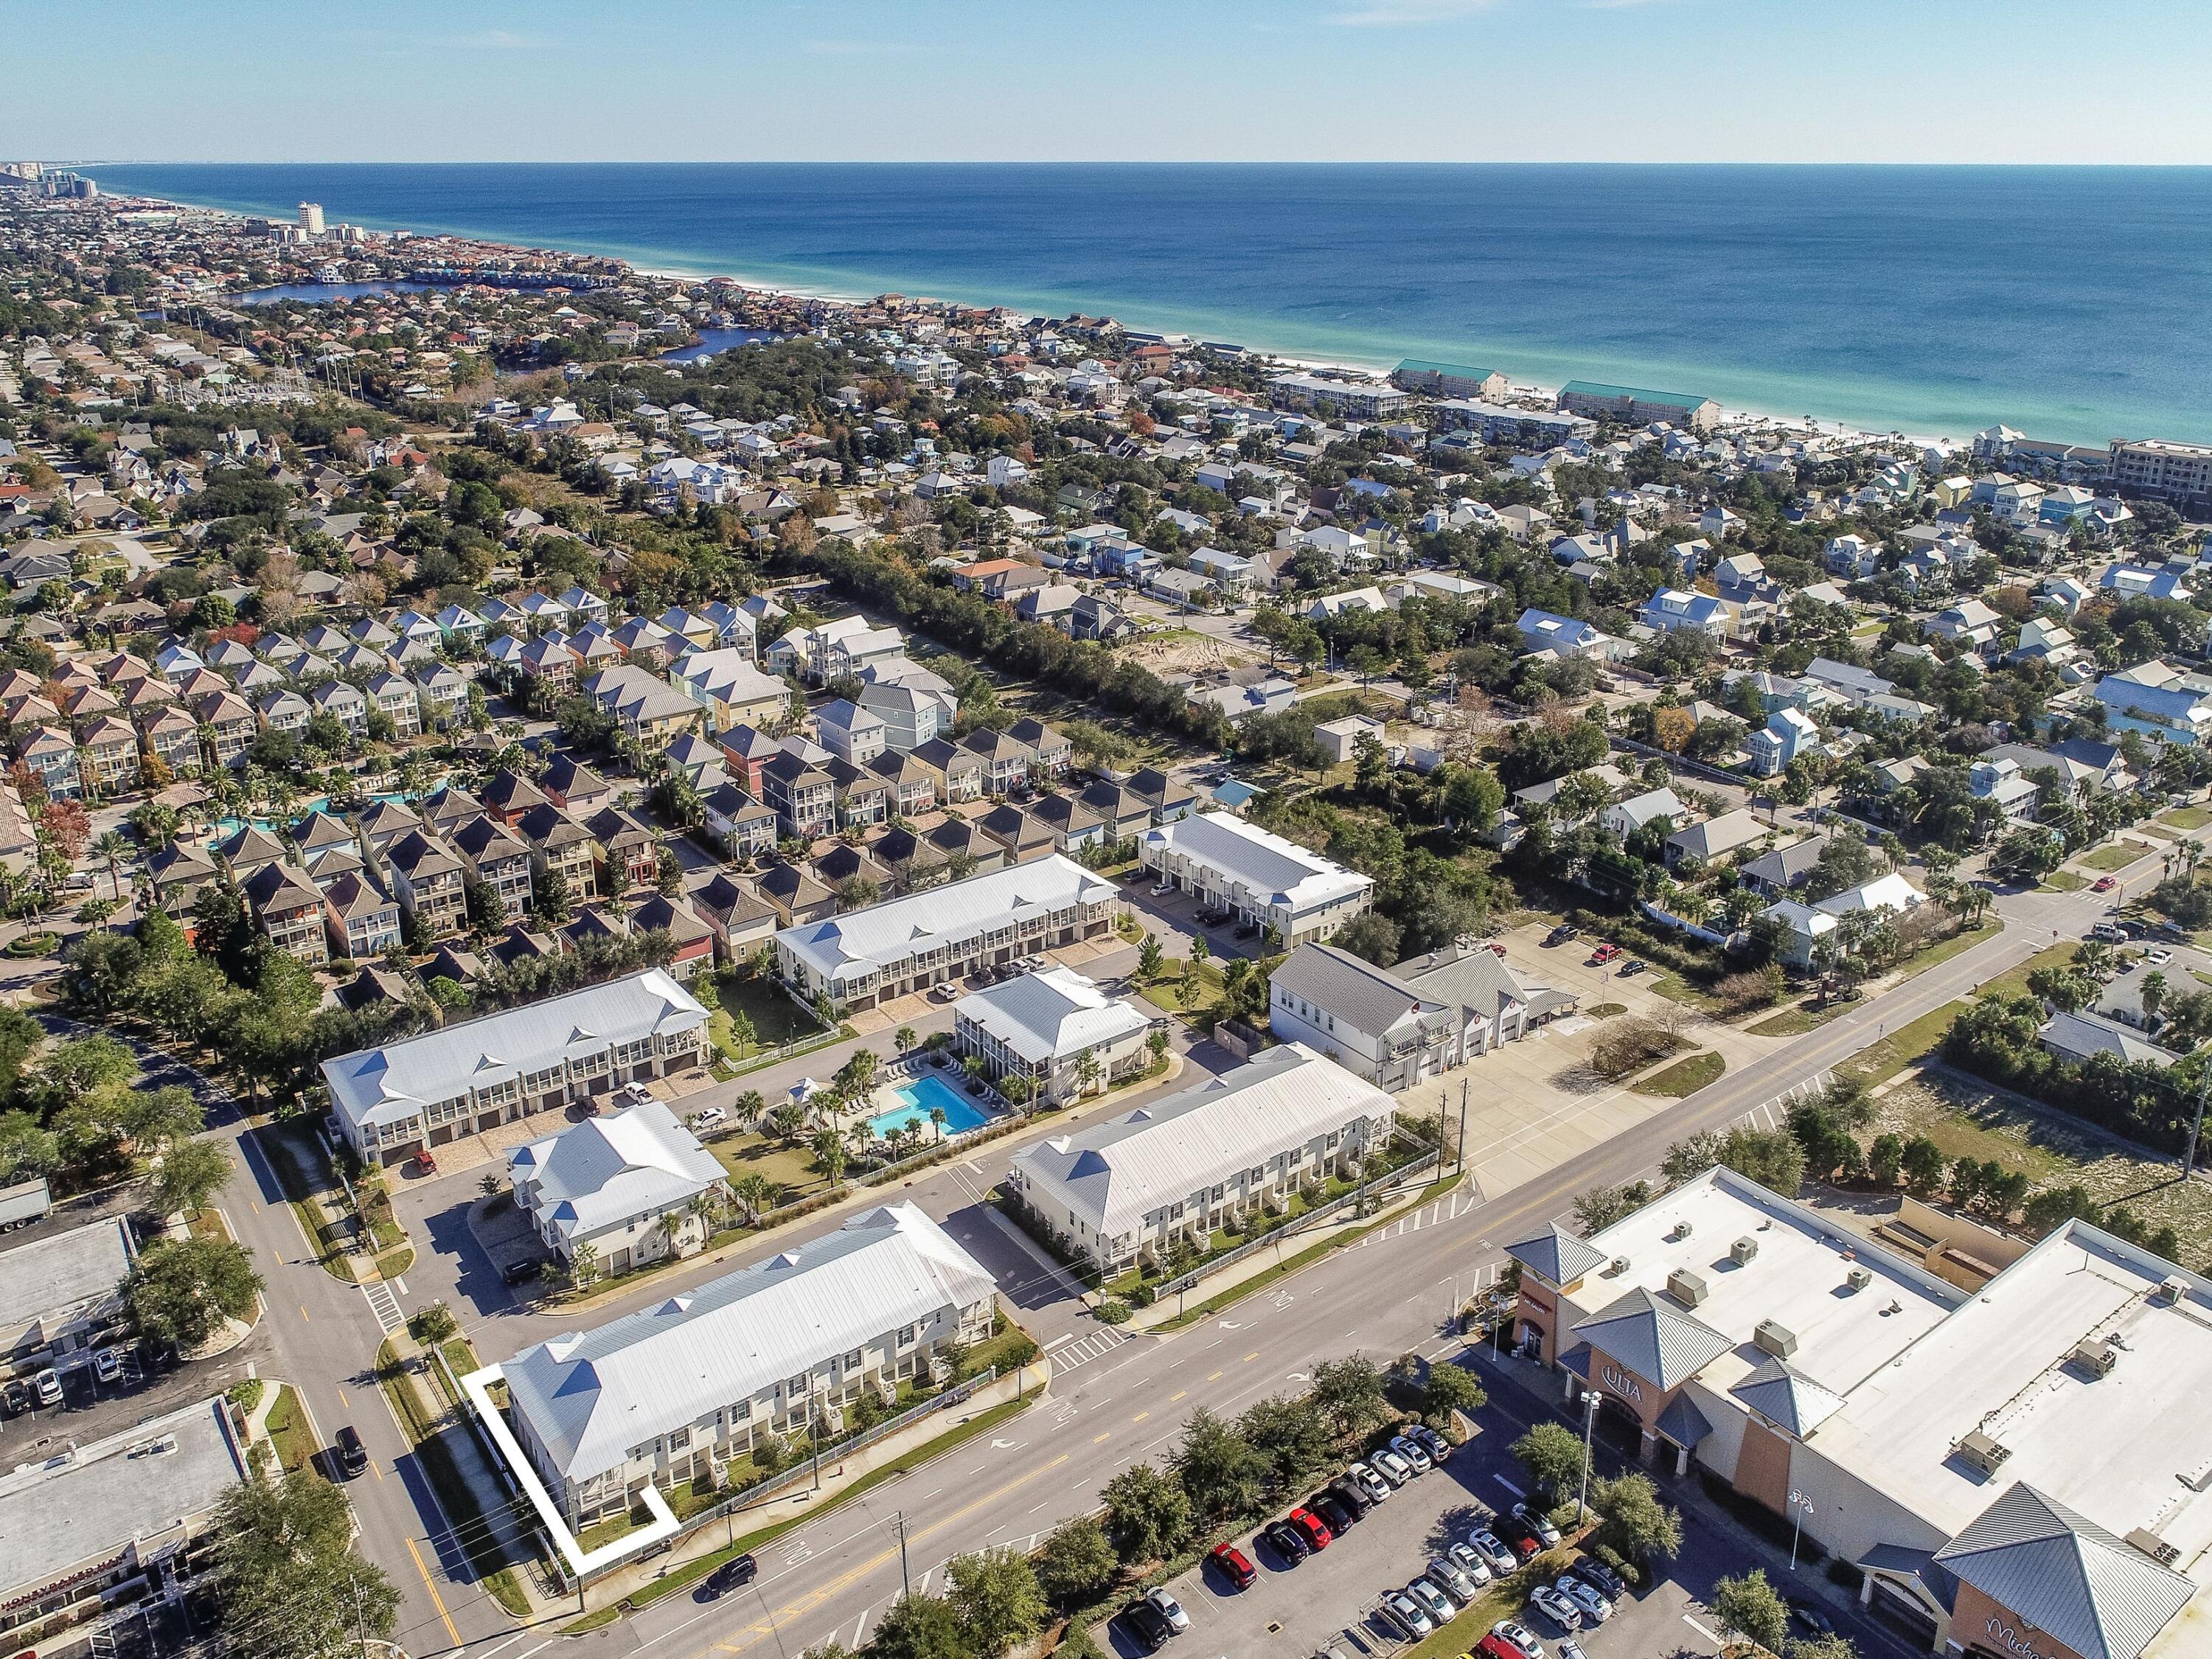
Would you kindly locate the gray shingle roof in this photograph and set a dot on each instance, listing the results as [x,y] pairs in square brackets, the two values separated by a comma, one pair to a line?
[2080,1585]
[1650,1336]
[1557,1254]
[1357,992]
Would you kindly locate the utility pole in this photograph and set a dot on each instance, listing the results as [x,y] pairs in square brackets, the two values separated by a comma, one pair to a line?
[1589,1428]
[906,1583]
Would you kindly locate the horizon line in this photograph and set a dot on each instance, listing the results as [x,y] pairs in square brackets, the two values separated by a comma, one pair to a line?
[1127,162]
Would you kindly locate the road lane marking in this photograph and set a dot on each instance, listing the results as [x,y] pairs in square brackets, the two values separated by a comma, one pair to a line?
[1508,1485]
[303,1313]
[1140,1417]
[1176,1395]
[1217,1376]
[1701,1630]
[342,1400]
[1096,1438]
[436,1600]
[815,1598]
[1252,1356]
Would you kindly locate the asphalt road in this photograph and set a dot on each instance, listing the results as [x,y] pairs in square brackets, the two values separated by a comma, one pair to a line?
[1391,1294]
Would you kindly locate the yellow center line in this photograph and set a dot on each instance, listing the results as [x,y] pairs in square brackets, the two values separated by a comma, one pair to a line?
[814,1599]
[303,1313]
[1252,1356]
[1140,1417]
[342,1400]
[1176,1395]
[436,1600]
[1096,1438]
[1217,1376]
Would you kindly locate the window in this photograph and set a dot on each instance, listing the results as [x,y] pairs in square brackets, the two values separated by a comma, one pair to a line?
[796,1386]
[852,1360]
[906,1336]
[679,1438]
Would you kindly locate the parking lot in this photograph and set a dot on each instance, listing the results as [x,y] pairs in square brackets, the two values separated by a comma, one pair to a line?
[1329,1599]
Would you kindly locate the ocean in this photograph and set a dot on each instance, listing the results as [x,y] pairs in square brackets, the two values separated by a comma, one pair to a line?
[2068,303]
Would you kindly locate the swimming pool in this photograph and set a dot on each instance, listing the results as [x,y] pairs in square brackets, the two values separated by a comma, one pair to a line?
[961,1113]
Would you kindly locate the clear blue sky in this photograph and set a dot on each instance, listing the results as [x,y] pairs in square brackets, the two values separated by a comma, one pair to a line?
[2087,80]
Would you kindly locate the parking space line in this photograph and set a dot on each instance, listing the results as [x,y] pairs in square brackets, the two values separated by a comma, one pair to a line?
[1701,1630]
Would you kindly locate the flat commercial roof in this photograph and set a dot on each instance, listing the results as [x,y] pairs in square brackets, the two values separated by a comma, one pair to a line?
[62,1270]
[86,1505]
[1599,389]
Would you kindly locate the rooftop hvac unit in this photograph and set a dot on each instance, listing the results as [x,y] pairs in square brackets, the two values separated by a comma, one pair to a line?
[1742,1251]
[2172,1289]
[1618,1265]
[2152,1545]
[1982,1452]
[1858,1278]
[1681,1230]
[1774,1338]
[1686,1287]
[2097,1358]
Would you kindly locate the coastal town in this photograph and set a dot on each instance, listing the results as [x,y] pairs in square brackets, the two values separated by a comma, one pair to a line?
[699,966]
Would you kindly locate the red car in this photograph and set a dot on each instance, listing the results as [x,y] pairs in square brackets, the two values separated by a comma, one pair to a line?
[425,1163]
[1315,1528]
[1236,1566]
[1604,954]
[2103,884]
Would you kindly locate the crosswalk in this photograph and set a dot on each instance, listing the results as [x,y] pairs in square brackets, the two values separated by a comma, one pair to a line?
[1074,1355]
[383,1306]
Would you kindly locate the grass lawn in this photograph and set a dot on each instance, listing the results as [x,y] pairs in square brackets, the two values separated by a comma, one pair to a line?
[1685,1076]
[1675,988]
[296,1158]
[2115,855]
[2050,1149]
[776,1019]
[1606,1010]
[1912,1042]
[287,1427]
[2188,817]
[392,1263]
[1965,940]
[2063,881]
[1163,992]
[792,1168]
[1805,1017]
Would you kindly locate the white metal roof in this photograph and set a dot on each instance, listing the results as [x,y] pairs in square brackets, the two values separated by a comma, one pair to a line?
[1278,871]
[1114,1174]
[856,944]
[1050,1015]
[607,1170]
[590,1396]
[393,1083]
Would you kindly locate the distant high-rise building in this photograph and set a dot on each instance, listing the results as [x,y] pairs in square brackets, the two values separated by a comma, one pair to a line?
[311,218]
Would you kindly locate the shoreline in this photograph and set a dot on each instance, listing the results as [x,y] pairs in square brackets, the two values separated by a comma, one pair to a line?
[1732,415]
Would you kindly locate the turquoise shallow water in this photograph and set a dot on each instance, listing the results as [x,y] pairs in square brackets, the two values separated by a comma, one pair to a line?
[961,1113]
[2067,301]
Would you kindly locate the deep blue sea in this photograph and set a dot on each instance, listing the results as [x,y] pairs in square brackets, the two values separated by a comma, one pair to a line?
[2071,302]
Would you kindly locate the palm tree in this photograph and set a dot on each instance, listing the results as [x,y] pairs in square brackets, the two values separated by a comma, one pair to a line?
[749,1107]
[112,848]
[829,1149]
[937,1121]
[758,1194]
[904,1039]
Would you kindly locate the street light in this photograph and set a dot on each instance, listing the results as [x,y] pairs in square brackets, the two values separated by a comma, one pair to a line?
[1589,1428]
[1800,1508]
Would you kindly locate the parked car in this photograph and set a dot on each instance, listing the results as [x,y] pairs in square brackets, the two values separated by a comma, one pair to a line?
[15,1397]
[1351,1496]
[1593,1571]
[2158,957]
[1147,1624]
[636,1094]
[107,1364]
[1169,1608]
[1633,966]
[48,1382]
[1439,1448]
[1448,1576]
[1287,1540]
[350,1457]
[1519,1638]
[1463,1557]
[1434,1601]
[1377,1488]
[1493,1550]
[1809,1617]
[1413,1452]
[1233,1564]
[1248,929]
[730,1575]
[518,1272]
[709,1118]
[1404,1614]
[1526,1543]
[1161,889]
[1556,1607]
[1334,1513]
[1561,934]
[1589,1601]
[1538,1523]
[1312,1528]
[1393,1468]
[426,1162]
[1602,955]
[1571,1649]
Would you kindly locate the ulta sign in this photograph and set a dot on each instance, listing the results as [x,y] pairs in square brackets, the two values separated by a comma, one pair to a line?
[1622,1384]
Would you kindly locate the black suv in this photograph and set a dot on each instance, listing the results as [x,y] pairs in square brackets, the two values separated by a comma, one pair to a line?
[1148,1625]
[734,1574]
[350,1455]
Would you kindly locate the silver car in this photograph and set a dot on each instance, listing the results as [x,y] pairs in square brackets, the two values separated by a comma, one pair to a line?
[1395,1468]
[1492,1548]
[1470,1561]
[1434,1601]
[1413,1452]
[1405,1613]
[1588,1600]
[1447,1576]
[1561,1612]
